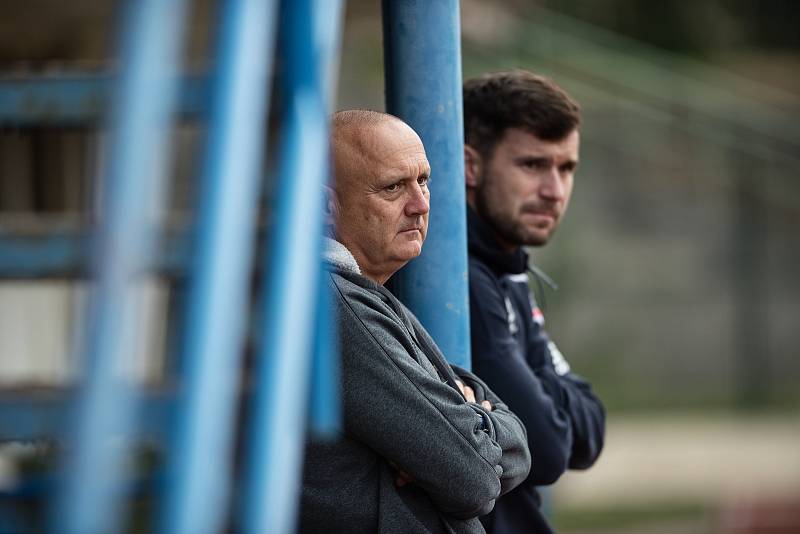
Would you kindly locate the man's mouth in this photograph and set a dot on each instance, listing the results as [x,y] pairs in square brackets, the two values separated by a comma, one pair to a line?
[541,213]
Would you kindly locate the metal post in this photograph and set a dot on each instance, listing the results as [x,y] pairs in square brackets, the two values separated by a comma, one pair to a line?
[275,446]
[201,462]
[422,54]
[325,409]
[89,501]
[325,414]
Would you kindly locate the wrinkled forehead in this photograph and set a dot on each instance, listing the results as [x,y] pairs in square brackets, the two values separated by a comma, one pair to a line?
[372,150]
[393,140]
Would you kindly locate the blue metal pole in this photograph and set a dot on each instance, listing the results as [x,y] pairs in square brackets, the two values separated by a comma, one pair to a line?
[201,462]
[422,54]
[328,38]
[274,458]
[325,412]
[89,501]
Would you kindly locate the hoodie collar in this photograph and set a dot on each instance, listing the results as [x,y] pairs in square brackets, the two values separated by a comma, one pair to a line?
[483,244]
[336,254]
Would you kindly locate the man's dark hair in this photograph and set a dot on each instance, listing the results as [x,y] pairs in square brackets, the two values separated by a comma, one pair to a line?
[498,101]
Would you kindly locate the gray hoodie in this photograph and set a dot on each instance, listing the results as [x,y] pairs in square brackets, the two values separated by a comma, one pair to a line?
[402,411]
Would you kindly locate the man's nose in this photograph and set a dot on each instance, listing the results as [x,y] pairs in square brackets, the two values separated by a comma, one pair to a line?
[418,203]
[553,185]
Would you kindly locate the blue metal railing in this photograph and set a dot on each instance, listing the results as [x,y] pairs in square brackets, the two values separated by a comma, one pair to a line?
[200,469]
[103,408]
[293,280]
[295,380]
[77,98]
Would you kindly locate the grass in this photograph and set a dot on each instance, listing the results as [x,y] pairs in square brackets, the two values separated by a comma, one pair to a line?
[629,517]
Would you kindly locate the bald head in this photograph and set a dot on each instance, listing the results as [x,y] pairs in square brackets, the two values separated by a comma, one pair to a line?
[358,136]
[360,118]
[380,190]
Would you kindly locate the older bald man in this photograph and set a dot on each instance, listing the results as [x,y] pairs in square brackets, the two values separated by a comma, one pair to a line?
[426,447]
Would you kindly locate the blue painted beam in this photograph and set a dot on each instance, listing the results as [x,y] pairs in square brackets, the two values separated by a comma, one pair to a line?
[67,253]
[422,54]
[77,98]
[43,414]
[200,466]
[47,254]
[102,423]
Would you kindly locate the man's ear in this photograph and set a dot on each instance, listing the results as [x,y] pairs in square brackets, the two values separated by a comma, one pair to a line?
[330,209]
[472,167]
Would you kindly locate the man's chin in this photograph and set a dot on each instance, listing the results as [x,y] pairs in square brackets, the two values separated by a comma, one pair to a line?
[410,251]
[537,238]
[539,241]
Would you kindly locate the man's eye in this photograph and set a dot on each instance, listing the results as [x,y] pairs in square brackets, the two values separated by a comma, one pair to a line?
[535,164]
[392,188]
[423,180]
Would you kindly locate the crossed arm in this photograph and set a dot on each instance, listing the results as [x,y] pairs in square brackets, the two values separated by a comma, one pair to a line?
[462,454]
[565,420]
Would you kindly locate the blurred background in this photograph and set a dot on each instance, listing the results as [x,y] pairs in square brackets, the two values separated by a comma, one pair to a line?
[678,263]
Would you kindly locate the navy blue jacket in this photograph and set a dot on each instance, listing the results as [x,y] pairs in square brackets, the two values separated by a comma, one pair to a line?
[512,353]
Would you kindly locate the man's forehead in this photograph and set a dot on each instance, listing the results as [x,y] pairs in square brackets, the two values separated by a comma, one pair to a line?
[358,140]
[387,140]
[368,154]
[518,140]
[387,134]
[360,130]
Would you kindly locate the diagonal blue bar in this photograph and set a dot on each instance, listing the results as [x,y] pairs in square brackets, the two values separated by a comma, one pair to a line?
[276,441]
[201,453]
[325,407]
[274,458]
[90,498]
[422,51]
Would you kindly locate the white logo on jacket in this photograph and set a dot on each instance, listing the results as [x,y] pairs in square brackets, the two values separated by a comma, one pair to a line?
[512,317]
[560,364]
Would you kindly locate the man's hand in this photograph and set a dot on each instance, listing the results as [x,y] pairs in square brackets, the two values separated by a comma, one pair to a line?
[467,391]
[469,394]
[401,477]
